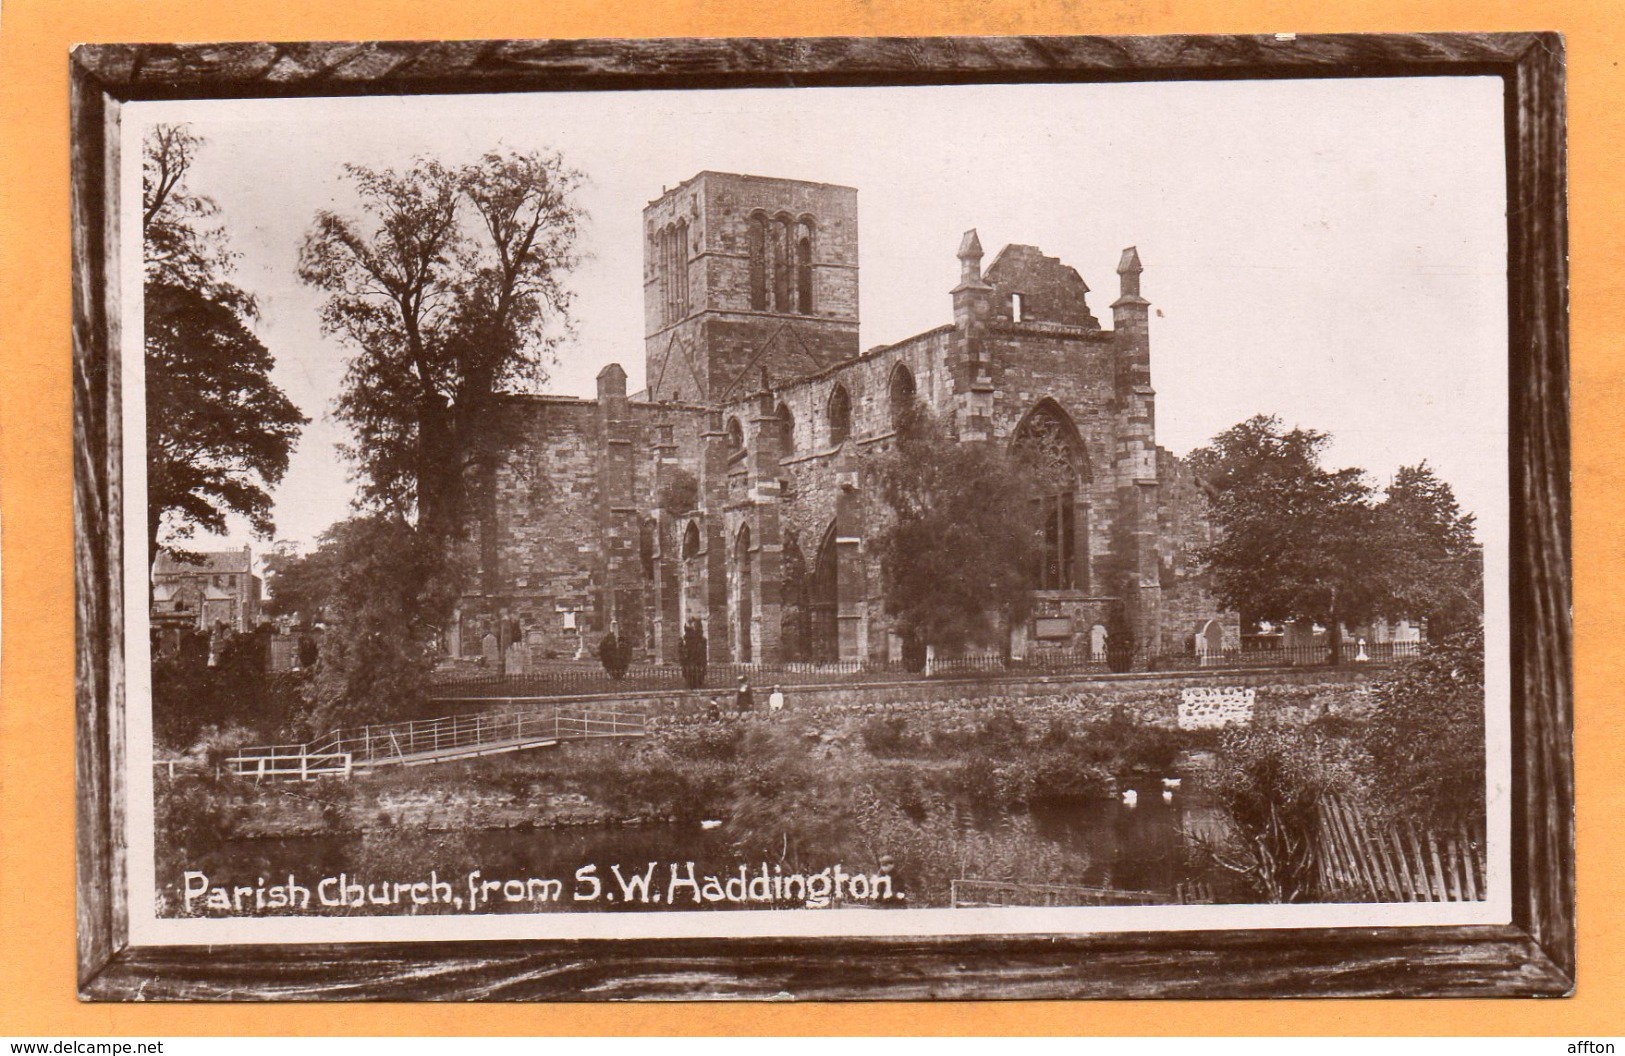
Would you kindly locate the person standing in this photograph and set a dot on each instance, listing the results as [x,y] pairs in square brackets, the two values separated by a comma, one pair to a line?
[775,700]
[744,700]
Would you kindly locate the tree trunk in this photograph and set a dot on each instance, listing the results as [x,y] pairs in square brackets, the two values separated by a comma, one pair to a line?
[155,517]
[434,455]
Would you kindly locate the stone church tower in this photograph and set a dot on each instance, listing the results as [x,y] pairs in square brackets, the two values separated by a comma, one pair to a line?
[747,281]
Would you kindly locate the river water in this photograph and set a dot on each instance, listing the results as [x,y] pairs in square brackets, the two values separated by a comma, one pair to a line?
[1138,848]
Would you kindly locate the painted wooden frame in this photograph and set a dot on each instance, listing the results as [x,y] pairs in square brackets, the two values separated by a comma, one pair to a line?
[1535,955]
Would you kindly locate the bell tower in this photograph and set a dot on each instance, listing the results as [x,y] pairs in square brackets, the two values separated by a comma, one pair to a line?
[747,278]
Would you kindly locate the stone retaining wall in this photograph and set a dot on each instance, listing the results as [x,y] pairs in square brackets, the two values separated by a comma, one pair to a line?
[1292,695]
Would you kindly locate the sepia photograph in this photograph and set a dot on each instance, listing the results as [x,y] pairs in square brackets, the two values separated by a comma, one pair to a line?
[853,510]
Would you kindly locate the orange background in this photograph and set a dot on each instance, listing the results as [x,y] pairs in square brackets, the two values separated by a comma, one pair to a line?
[37,991]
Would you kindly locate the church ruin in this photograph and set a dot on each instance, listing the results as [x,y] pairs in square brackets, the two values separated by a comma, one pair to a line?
[733,489]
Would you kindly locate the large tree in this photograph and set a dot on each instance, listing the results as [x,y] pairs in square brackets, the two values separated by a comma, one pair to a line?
[958,534]
[373,582]
[1435,567]
[183,243]
[219,431]
[1297,540]
[448,288]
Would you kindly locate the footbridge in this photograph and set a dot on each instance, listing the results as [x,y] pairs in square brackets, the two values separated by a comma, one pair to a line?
[366,749]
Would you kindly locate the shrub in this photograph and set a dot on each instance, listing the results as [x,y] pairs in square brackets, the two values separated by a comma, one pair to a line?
[1002,732]
[1052,774]
[615,653]
[1426,735]
[1269,781]
[691,654]
[888,735]
[1119,640]
[914,654]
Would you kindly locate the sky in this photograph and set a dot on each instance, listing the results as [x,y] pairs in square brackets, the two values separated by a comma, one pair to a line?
[1329,251]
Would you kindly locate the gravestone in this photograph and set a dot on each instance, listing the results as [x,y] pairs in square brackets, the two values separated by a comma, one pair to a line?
[1210,708]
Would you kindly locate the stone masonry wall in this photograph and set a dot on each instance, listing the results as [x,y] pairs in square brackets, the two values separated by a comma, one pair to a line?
[1279,695]
[721,347]
[1183,530]
[544,521]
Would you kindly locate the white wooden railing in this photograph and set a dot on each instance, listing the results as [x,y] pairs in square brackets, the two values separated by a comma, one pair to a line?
[342,752]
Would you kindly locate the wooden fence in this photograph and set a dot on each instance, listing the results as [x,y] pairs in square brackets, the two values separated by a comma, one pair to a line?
[1365,862]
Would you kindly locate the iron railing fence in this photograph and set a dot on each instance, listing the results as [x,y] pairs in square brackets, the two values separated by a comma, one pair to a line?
[585,678]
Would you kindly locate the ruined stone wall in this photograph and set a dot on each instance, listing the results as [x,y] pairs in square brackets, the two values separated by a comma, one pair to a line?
[575,523]
[1184,529]
[816,473]
[545,550]
[1050,291]
[1030,364]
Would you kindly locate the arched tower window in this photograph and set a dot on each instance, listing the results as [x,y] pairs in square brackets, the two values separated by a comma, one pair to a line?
[840,416]
[901,394]
[804,271]
[668,280]
[784,236]
[780,249]
[665,275]
[691,541]
[756,244]
[1048,441]
[736,438]
[674,284]
[680,275]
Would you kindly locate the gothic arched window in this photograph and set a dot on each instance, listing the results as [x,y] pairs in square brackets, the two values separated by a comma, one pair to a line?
[1048,442]
[756,246]
[744,599]
[901,394]
[823,601]
[691,540]
[840,416]
[794,625]
[671,242]
[787,430]
[736,438]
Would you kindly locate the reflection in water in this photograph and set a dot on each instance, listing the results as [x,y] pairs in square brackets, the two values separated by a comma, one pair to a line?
[1145,846]
[1142,848]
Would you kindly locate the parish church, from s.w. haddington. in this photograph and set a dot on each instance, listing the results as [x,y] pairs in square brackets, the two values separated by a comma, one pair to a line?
[733,488]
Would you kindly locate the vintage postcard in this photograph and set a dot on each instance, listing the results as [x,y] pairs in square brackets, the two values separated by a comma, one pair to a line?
[869,511]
